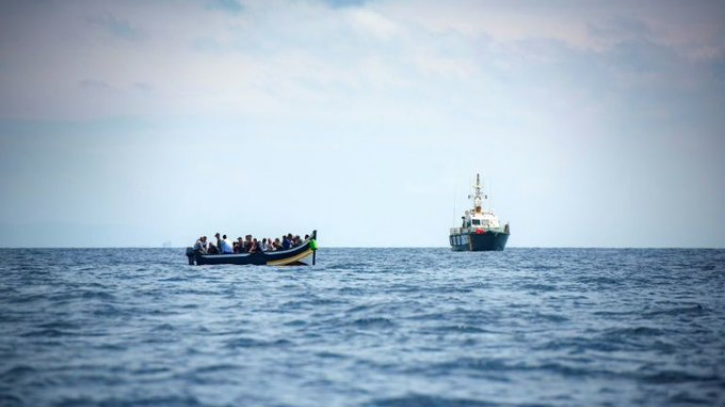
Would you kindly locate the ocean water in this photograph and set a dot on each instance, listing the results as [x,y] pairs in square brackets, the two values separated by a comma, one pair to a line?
[365,327]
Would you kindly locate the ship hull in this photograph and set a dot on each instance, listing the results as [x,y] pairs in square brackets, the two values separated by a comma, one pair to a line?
[478,242]
[298,256]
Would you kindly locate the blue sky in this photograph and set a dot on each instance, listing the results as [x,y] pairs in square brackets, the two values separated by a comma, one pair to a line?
[134,123]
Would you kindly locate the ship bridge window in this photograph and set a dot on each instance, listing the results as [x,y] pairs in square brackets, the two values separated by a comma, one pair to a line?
[477,222]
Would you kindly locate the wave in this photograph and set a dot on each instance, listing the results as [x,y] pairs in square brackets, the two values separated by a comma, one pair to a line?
[677,376]
[419,400]
[373,322]
[11,400]
[695,309]
[241,343]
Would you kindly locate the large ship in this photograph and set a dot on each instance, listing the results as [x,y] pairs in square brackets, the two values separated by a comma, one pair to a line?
[481,229]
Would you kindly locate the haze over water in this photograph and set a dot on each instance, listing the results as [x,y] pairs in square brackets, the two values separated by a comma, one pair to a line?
[366,327]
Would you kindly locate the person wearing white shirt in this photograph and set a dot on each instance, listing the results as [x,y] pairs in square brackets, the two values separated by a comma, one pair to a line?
[227,246]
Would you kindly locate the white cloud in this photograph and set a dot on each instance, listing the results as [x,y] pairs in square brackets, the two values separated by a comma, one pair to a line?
[280,55]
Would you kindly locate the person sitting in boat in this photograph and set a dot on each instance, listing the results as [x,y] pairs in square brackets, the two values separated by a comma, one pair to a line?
[239,245]
[215,248]
[200,245]
[264,246]
[256,246]
[226,245]
[276,245]
[286,243]
[248,243]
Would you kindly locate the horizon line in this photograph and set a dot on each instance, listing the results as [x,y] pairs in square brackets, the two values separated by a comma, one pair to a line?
[375,247]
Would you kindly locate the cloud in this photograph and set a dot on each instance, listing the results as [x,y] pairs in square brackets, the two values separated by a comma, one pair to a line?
[142,86]
[643,57]
[227,6]
[90,84]
[718,69]
[282,57]
[119,28]
[619,28]
[346,3]
[374,24]
[207,45]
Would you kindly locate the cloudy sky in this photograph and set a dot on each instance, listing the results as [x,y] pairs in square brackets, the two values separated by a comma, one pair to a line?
[133,123]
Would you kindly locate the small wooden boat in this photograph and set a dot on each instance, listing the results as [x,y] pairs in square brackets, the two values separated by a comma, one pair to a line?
[303,255]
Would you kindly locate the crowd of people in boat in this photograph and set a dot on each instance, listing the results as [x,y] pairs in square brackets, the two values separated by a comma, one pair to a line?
[249,244]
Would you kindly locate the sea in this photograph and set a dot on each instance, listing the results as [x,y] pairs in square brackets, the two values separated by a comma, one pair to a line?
[364,327]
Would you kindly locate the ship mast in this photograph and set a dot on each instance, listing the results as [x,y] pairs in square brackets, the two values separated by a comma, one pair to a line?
[477,195]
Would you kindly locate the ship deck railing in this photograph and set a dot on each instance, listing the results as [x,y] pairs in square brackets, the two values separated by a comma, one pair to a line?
[458,231]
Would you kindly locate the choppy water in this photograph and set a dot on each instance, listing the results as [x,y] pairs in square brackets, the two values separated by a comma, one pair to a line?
[366,327]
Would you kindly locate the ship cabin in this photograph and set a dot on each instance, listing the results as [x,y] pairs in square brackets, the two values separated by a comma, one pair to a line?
[482,220]
[478,221]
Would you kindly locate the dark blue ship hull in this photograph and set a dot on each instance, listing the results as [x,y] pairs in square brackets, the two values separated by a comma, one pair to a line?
[479,242]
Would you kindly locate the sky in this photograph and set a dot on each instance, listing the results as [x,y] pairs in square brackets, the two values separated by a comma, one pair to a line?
[138,123]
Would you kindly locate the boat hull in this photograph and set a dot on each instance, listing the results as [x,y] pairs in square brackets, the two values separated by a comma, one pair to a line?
[479,242]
